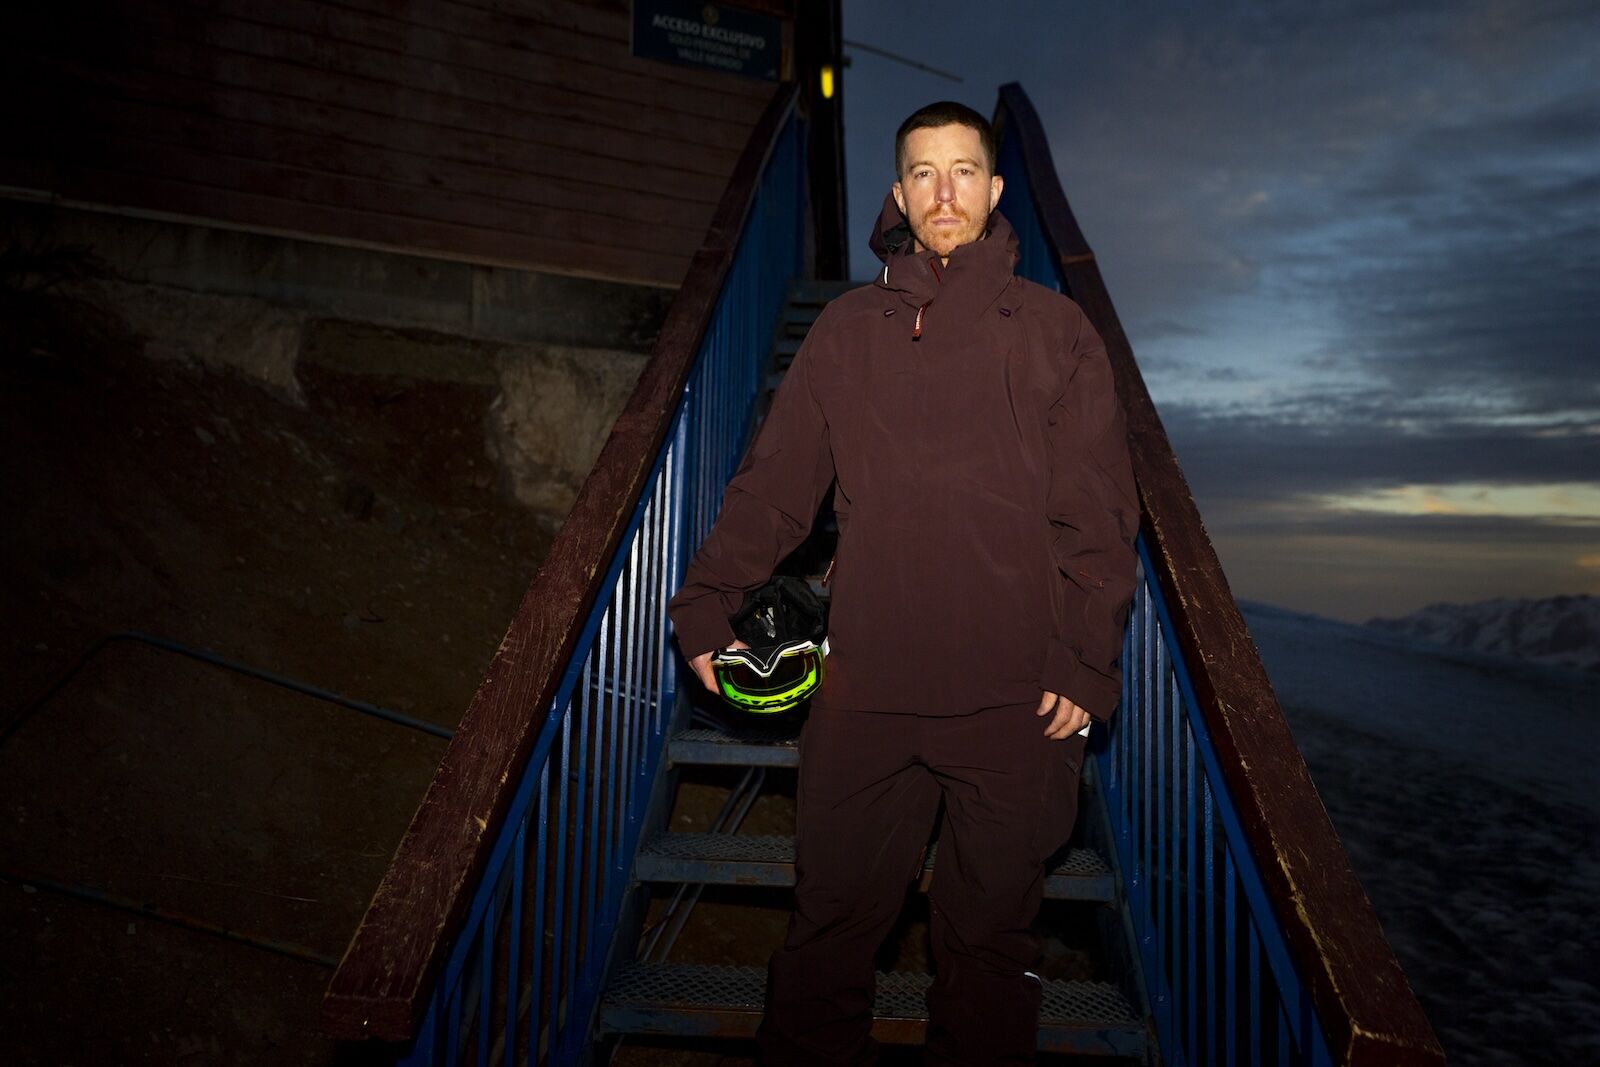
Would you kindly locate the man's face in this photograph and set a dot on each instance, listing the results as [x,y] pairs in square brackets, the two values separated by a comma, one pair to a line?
[945,188]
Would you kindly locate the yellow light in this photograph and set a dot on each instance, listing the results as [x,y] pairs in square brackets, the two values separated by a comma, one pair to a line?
[827,83]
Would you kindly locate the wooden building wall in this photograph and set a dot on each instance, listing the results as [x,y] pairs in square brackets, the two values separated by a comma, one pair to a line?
[511,132]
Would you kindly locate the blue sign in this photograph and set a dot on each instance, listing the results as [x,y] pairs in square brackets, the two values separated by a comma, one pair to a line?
[710,36]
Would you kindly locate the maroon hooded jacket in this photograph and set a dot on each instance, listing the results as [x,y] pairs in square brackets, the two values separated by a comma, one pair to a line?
[985,498]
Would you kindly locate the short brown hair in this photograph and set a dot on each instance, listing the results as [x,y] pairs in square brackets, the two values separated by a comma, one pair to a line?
[945,113]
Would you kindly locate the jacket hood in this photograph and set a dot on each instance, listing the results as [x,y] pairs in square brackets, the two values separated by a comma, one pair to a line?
[890,232]
[988,264]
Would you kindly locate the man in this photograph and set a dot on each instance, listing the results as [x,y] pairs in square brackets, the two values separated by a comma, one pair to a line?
[986,513]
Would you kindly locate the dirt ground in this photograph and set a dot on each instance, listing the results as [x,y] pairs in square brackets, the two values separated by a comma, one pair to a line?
[362,543]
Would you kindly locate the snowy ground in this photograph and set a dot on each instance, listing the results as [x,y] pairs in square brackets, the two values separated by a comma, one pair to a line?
[1465,790]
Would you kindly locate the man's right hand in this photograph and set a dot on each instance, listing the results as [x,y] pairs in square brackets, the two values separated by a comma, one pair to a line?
[701,665]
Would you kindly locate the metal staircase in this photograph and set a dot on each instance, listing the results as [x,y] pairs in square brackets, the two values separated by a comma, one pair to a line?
[664,992]
[1209,912]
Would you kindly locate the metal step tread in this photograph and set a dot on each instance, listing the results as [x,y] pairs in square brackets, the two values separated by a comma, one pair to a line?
[684,998]
[768,860]
[800,316]
[702,745]
[819,291]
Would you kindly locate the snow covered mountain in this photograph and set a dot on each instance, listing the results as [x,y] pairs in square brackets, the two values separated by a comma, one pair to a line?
[1464,789]
[1563,630]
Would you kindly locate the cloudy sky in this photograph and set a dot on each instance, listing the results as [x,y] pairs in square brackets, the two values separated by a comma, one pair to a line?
[1356,248]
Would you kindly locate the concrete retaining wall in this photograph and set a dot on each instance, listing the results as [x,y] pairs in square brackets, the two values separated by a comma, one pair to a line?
[557,356]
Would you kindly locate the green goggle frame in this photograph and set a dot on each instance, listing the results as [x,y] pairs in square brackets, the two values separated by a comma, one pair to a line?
[769,680]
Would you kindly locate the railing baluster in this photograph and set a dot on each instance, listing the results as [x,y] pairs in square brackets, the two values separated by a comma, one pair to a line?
[1230,941]
[537,957]
[558,948]
[1122,774]
[1146,752]
[1191,887]
[1211,924]
[608,816]
[582,845]
[486,978]
[1123,725]
[1283,1036]
[514,950]
[1254,970]
[634,708]
[661,673]
[452,1034]
[1157,884]
[1175,878]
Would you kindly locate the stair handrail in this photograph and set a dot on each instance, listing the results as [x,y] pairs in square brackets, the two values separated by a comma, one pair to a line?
[385,983]
[1357,989]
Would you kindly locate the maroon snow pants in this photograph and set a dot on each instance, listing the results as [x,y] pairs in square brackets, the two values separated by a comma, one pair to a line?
[870,789]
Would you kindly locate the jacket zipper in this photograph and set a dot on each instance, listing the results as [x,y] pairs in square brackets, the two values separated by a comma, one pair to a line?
[916,327]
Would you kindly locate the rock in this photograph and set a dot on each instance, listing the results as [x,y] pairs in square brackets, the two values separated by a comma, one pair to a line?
[551,418]
[254,337]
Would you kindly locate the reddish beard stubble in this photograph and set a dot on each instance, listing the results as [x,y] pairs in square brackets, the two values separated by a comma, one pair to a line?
[943,239]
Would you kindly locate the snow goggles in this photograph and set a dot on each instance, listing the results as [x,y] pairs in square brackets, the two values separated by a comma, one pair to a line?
[772,679]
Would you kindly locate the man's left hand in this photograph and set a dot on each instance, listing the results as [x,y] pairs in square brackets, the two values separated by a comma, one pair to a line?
[1066,718]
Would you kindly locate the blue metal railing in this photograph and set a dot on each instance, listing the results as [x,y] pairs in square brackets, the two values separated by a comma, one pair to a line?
[1221,983]
[1216,970]
[522,979]
[1213,938]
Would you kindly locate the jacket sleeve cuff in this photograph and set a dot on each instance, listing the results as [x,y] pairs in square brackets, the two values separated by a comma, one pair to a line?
[702,628]
[1066,674]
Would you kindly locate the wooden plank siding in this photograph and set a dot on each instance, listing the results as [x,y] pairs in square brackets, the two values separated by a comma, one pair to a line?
[509,132]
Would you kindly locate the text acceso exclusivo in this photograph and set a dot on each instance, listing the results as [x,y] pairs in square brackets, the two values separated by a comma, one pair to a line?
[709,33]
